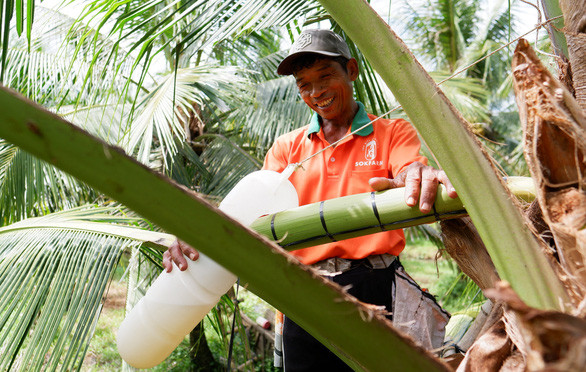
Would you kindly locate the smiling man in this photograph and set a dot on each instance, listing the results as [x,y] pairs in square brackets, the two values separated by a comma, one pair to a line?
[381,155]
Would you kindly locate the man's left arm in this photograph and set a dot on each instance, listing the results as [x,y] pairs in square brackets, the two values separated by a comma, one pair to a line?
[420,182]
[409,169]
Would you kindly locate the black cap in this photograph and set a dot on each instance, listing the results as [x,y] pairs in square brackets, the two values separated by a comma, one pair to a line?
[324,42]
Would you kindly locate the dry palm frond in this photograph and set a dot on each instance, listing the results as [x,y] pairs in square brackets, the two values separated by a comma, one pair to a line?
[555,148]
[466,248]
[551,340]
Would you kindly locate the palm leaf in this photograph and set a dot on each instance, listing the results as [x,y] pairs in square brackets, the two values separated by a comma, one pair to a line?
[103,121]
[469,95]
[52,69]
[53,273]
[187,91]
[276,110]
[227,163]
[148,29]
[29,186]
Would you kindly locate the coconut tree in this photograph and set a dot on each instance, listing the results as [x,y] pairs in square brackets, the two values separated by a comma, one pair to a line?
[47,188]
[146,45]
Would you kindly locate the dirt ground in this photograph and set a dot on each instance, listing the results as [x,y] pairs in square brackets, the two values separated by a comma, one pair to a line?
[115,298]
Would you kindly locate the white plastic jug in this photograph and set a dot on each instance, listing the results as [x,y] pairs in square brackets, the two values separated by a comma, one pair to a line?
[177,301]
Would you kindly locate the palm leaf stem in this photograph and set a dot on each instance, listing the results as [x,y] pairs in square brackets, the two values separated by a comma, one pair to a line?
[555,28]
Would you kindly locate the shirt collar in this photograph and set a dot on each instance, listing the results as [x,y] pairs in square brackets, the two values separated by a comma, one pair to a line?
[359,120]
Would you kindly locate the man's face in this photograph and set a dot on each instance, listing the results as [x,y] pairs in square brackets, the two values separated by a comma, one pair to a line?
[327,88]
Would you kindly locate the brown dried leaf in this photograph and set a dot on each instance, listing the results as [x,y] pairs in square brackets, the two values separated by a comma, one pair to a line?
[465,246]
[489,352]
[555,341]
[555,149]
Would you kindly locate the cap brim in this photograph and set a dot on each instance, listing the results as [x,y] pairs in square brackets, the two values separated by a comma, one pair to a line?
[285,67]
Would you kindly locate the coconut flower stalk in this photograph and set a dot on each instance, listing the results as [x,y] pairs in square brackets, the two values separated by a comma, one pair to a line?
[361,214]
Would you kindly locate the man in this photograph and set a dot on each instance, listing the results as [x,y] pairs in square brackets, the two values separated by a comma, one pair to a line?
[380,156]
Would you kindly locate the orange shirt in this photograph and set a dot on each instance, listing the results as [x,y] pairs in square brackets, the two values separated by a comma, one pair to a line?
[383,149]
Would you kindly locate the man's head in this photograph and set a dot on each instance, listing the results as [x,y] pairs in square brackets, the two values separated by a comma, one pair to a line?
[311,46]
[324,72]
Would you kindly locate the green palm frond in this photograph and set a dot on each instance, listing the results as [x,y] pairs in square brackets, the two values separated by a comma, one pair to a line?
[29,186]
[227,163]
[444,27]
[492,34]
[276,110]
[53,273]
[103,121]
[165,112]
[469,95]
[161,28]
[424,232]
[23,16]
[250,50]
[35,74]
[54,70]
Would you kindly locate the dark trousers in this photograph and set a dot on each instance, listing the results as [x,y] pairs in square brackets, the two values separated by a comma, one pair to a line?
[302,352]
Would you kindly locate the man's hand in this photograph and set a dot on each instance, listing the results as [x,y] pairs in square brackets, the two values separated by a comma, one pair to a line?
[176,253]
[418,179]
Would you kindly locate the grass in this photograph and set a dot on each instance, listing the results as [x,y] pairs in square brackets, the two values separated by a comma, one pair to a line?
[441,277]
[418,258]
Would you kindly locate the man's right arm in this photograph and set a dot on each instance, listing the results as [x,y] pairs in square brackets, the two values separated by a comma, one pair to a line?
[176,253]
[276,159]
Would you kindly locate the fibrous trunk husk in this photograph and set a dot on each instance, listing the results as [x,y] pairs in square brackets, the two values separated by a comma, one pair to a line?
[575,32]
[548,340]
[521,338]
[464,245]
[555,145]
[491,349]
[525,338]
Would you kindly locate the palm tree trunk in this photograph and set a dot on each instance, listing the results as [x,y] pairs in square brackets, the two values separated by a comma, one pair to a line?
[199,352]
[575,32]
[554,128]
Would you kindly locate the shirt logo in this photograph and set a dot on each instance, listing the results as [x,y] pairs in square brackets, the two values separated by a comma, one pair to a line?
[301,42]
[370,152]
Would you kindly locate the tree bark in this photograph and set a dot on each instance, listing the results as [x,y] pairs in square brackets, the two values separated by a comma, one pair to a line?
[555,148]
[575,30]
[199,352]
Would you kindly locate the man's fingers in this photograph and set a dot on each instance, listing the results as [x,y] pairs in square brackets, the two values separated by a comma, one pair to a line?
[188,250]
[176,255]
[443,178]
[382,183]
[167,261]
[412,185]
[429,183]
[421,183]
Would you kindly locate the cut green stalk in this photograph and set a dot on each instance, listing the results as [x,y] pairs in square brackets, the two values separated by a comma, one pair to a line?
[513,249]
[364,344]
[362,214]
